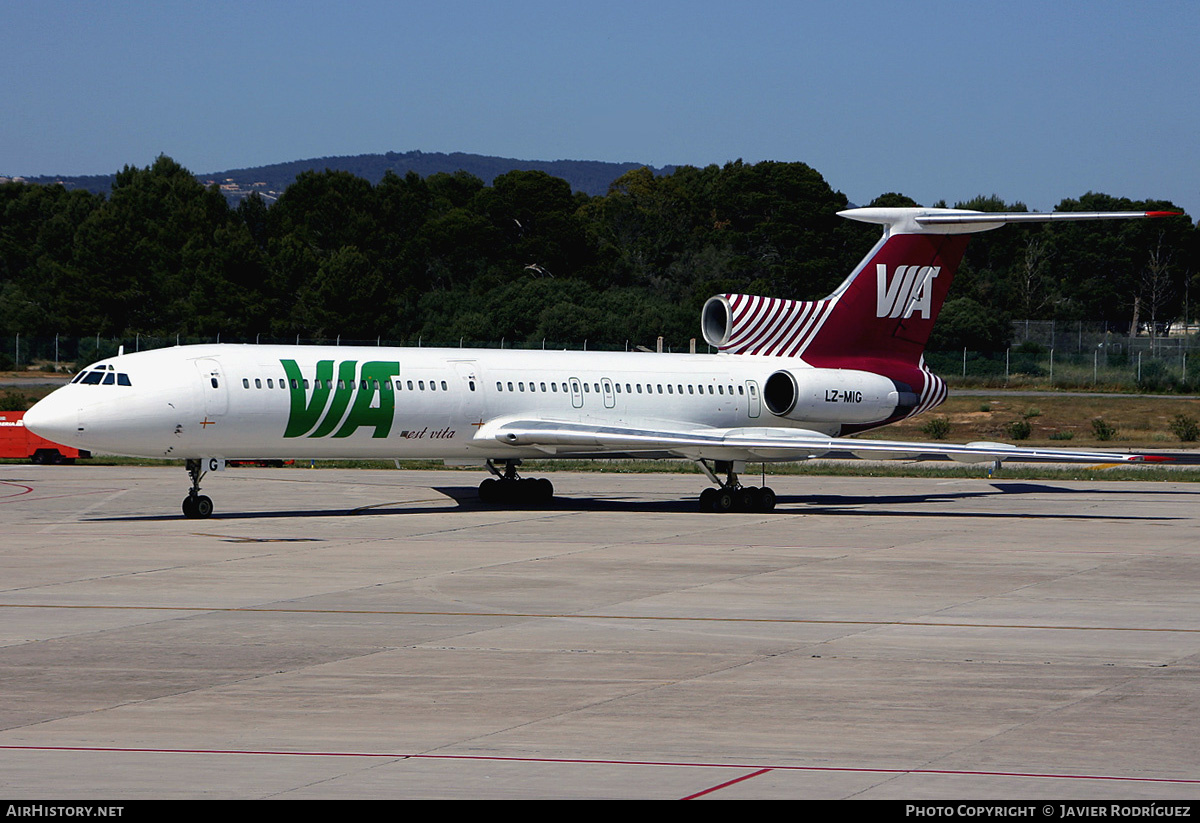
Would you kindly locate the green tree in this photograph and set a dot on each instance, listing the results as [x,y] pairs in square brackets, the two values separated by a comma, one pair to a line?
[893,200]
[965,323]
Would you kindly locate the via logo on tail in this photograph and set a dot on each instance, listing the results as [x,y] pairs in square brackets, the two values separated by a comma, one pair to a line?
[910,290]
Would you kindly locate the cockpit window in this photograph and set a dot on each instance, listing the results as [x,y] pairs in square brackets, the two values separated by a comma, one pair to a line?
[101,374]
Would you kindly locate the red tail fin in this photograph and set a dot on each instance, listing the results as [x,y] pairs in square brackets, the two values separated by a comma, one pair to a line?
[887,308]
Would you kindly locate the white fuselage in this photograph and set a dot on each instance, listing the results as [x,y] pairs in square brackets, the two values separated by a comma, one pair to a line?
[253,402]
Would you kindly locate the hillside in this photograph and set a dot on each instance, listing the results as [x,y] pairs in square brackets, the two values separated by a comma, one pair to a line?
[590,176]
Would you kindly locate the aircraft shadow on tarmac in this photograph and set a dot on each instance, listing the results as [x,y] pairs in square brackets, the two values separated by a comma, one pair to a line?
[466,498]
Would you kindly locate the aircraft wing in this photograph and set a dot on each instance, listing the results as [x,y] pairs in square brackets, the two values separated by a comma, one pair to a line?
[762,444]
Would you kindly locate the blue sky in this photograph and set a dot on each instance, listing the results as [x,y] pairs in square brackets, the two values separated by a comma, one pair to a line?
[1030,101]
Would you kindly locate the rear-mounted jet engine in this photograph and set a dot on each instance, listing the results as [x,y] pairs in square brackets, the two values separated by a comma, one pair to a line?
[836,395]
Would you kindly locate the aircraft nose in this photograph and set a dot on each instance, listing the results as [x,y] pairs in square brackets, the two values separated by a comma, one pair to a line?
[53,419]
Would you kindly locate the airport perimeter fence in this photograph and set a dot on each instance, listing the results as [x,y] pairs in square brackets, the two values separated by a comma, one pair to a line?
[70,354]
[1078,337]
[1081,355]
[1049,354]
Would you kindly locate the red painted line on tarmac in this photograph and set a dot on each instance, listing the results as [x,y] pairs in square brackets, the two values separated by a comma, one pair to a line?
[25,489]
[582,761]
[28,489]
[727,783]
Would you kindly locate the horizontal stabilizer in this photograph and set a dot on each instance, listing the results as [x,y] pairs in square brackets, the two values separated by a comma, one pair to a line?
[1038,217]
[916,220]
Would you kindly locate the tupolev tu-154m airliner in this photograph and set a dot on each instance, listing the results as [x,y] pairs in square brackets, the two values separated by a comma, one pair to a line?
[790,380]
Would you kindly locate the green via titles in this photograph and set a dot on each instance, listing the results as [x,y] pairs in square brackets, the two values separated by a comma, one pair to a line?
[318,415]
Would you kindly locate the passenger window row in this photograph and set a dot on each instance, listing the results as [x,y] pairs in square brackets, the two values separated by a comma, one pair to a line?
[552,387]
[533,387]
[629,388]
[418,385]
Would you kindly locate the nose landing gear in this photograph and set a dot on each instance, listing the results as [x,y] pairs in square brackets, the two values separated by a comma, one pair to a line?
[196,506]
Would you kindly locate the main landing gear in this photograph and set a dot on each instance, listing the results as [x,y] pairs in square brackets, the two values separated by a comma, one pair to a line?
[732,496]
[508,489]
[196,506]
